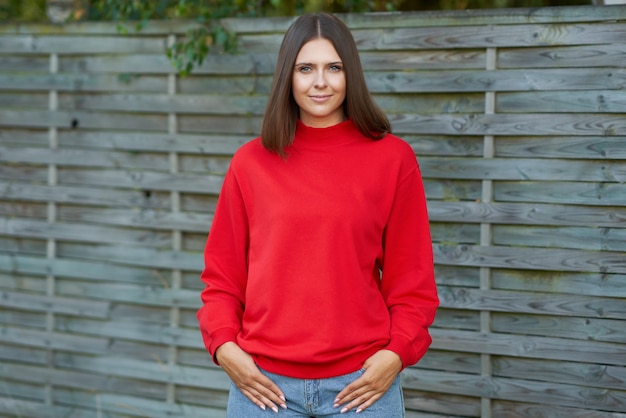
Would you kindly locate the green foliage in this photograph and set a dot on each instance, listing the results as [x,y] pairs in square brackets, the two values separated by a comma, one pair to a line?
[23,10]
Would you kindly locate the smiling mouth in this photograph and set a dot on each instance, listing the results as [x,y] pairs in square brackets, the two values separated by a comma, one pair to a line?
[320,98]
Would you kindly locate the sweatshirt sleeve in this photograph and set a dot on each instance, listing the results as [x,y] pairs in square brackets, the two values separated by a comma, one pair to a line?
[225,268]
[408,283]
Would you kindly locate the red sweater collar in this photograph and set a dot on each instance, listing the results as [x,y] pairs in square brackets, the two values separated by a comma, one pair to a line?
[341,133]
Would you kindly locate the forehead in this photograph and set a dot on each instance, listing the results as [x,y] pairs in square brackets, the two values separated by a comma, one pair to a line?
[318,50]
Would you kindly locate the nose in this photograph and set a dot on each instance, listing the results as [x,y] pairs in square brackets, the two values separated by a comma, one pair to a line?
[320,79]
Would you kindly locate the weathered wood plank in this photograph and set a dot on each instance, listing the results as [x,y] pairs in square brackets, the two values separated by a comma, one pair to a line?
[139,330]
[209,378]
[147,160]
[421,60]
[575,283]
[575,193]
[86,195]
[83,119]
[224,64]
[206,143]
[149,295]
[458,37]
[197,183]
[163,103]
[24,63]
[454,190]
[444,145]
[24,137]
[146,218]
[600,147]
[590,238]
[76,232]
[562,102]
[83,82]
[30,101]
[123,405]
[53,340]
[577,373]
[436,405]
[508,125]
[533,303]
[91,272]
[132,255]
[517,390]
[604,55]
[575,328]
[531,258]
[526,214]
[531,347]
[523,410]
[492,36]
[55,304]
[49,44]
[33,409]
[571,79]
[523,169]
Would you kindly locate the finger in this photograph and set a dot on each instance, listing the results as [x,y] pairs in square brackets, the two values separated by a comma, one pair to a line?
[350,391]
[362,402]
[254,399]
[271,391]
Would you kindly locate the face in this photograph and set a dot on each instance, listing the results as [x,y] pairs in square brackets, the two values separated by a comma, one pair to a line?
[319,84]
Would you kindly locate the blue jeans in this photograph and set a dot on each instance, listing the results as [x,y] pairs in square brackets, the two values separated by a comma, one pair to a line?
[313,398]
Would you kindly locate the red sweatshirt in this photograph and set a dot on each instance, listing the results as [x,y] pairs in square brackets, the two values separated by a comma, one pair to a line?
[315,262]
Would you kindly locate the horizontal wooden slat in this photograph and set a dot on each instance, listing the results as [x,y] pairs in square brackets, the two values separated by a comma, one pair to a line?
[574,193]
[500,124]
[35,44]
[562,102]
[525,214]
[547,348]
[605,55]
[86,195]
[516,389]
[594,238]
[532,258]
[562,372]
[574,328]
[600,147]
[532,303]
[523,169]
[528,409]
[55,304]
[573,283]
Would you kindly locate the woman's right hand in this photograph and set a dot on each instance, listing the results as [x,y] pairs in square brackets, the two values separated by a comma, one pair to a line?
[245,374]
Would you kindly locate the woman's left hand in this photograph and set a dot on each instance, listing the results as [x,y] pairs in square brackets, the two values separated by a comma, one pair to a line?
[380,371]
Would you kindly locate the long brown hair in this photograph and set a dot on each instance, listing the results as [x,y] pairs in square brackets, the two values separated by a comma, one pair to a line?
[281,113]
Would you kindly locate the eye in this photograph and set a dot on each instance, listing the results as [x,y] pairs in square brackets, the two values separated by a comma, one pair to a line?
[335,67]
[304,69]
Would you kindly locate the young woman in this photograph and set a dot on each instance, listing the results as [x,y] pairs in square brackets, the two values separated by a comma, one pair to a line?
[319,266]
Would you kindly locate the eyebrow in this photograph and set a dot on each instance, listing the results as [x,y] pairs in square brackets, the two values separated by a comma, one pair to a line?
[311,64]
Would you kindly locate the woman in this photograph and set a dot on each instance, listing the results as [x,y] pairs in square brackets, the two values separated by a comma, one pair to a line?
[318,267]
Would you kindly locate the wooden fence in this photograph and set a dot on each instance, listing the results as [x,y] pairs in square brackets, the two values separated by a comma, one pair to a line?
[110,166]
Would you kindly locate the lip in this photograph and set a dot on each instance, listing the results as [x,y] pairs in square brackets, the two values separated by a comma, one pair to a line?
[320,98]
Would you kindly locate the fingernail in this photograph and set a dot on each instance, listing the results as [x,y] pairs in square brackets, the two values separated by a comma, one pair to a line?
[282,398]
[284,406]
[336,400]
[262,407]
[358,410]
[344,410]
[275,409]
